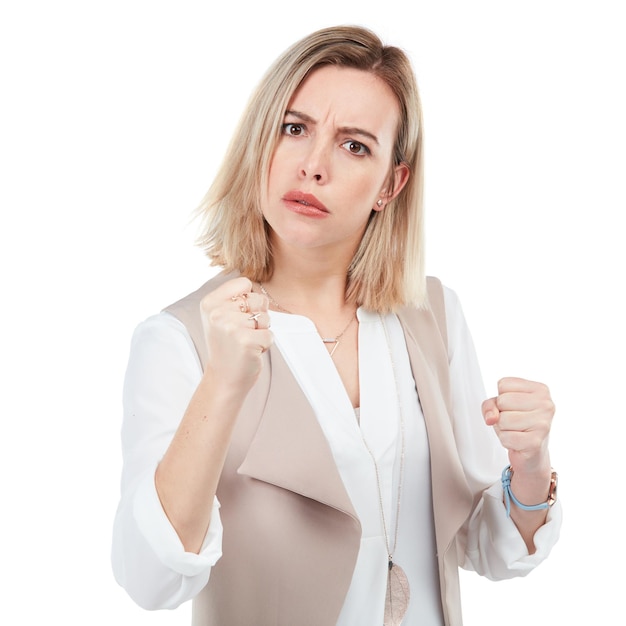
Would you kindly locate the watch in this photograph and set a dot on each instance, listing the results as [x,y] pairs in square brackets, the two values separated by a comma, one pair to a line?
[507,474]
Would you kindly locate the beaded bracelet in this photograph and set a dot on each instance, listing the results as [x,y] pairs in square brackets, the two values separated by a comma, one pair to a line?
[507,474]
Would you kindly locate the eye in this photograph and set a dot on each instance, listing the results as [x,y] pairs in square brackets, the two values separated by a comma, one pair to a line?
[356,147]
[293,129]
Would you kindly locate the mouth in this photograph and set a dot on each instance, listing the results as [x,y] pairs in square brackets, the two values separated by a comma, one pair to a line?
[306,202]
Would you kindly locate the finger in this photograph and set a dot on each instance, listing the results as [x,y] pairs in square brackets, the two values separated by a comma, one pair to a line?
[490,411]
[517,401]
[263,339]
[521,385]
[533,398]
[259,320]
[241,299]
[256,302]
[520,421]
[234,287]
[229,291]
[527,443]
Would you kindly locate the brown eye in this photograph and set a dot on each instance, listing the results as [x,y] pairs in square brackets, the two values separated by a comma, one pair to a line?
[356,148]
[295,130]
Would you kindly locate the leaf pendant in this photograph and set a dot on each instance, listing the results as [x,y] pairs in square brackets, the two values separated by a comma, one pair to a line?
[397,597]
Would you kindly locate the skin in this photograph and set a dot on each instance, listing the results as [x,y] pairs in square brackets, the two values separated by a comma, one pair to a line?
[186,478]
[336,146]
[337,141]
[521,415]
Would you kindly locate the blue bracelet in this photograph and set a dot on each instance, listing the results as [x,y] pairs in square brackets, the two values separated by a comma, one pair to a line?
[507,473]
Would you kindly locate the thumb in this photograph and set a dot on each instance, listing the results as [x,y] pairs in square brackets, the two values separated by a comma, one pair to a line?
[490,411]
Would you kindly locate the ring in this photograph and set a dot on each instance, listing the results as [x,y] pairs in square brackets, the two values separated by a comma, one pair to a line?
[255,319]
[244,307]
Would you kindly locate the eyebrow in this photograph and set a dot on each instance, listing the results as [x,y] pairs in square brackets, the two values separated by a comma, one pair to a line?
[348,130]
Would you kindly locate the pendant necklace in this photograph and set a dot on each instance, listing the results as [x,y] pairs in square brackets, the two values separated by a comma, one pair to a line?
[326,340]
[398,594]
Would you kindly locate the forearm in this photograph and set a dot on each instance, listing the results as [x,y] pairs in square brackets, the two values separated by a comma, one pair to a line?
[188,474]
[187,477]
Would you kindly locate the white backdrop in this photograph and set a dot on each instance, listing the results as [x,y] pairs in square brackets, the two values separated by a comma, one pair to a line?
[113,118]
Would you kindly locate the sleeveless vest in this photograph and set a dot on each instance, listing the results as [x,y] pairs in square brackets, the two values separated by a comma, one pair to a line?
[291,536]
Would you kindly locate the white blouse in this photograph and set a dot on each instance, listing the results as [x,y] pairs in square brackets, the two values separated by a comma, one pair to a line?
[163,372]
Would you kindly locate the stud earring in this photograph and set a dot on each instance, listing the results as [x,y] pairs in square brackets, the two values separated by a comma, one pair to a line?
[379,203]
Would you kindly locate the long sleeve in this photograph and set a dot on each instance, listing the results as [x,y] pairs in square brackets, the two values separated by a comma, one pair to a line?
[148,558]
[493,546]
[163,372]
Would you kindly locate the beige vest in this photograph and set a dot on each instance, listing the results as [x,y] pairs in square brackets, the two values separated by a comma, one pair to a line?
[291,535]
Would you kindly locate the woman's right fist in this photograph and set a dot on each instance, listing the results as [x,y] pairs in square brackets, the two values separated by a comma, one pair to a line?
[236,327]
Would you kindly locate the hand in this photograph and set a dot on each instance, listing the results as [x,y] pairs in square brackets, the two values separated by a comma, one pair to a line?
[236,328]
[522,415]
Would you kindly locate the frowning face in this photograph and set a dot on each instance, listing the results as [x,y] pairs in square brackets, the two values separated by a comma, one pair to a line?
[332,163]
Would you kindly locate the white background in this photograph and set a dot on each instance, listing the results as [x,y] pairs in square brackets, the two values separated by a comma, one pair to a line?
[113,118]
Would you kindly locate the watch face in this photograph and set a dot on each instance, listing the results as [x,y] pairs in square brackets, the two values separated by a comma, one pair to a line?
[554,480]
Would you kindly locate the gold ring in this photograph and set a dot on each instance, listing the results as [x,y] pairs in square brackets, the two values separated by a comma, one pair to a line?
[244,307]
[255,319]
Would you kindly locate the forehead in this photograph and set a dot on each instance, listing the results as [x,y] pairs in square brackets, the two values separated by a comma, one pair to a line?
[348,97]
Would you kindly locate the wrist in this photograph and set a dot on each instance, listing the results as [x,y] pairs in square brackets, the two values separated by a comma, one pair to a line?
[536,490]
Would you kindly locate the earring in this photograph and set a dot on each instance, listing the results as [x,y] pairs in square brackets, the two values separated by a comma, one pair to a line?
[379,203]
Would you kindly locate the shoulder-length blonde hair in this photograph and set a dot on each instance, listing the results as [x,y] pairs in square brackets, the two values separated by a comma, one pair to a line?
[387,270]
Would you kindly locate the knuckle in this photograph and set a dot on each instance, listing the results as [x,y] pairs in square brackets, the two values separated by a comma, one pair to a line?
[213,316]
[543,388]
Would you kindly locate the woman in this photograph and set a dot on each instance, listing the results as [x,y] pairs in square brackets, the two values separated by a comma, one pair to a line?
[335,469]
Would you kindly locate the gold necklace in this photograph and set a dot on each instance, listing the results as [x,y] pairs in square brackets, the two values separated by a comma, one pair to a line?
[326,340]
[398,593]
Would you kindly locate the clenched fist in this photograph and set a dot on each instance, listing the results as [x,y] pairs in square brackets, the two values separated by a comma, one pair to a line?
[521,415]
[236,328]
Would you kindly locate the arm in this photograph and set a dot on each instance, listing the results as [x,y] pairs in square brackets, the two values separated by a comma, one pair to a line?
[521,416]
[187,476]
[493,544]
[152,557]
[148,558]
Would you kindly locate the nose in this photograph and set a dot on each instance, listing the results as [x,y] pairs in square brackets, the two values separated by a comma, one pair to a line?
[315,163]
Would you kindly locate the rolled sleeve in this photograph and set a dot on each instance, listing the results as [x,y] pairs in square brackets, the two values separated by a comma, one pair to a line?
[493,545]
[148,558]
[495,548]
[153,524]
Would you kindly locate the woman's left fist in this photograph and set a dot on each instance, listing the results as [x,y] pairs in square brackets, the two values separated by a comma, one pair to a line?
[521,415]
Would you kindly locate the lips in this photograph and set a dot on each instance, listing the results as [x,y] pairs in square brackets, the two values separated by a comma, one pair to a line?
[304,203]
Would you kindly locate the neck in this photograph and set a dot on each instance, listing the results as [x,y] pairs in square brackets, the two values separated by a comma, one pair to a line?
[310,281]
[297,293]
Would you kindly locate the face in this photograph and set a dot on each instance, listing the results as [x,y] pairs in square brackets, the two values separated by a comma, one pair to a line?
[332,163]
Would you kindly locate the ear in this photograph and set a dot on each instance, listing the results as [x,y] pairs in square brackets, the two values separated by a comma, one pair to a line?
[400,175]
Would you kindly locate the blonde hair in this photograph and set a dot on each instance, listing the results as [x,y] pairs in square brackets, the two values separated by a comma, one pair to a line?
[387,270]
